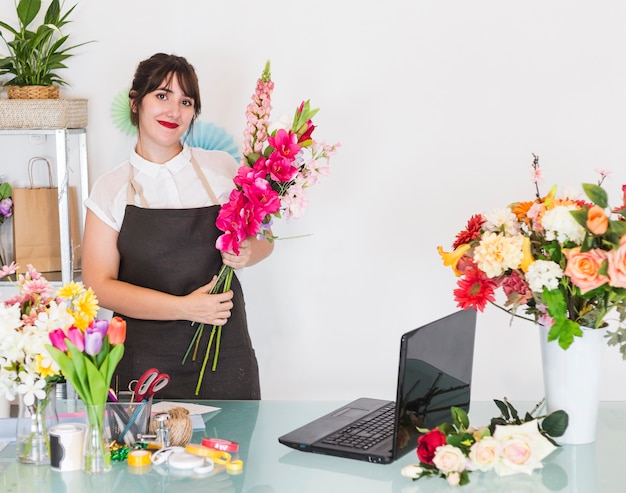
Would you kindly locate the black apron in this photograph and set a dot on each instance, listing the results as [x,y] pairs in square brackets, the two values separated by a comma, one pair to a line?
[173,251]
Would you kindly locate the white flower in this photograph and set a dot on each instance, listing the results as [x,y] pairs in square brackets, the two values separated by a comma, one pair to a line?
[284,123]
[560,225]
[449,458]
[502,220]
[543,273]
[522,448]
[31,388]
[484,454]
[412,471]
[496,253]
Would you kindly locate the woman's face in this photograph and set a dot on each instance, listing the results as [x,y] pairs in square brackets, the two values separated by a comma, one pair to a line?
[164,115]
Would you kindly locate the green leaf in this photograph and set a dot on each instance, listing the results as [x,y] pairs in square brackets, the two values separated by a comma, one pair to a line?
[27,10]
[69,370]
[459,418]
[597,194]
[98,389]
[504,410]
[556,302]
[581,216]
[555,424]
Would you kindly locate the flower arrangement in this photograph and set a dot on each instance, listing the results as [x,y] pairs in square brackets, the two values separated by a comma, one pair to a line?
[561,258]
[508,445]
[36,317]
[279,164]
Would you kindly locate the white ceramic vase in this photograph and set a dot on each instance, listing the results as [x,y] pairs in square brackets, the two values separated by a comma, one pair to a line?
[571,381]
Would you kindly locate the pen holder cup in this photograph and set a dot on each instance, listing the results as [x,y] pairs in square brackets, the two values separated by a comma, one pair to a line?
[127,419]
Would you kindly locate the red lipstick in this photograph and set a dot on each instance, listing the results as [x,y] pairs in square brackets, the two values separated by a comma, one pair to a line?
[167,124]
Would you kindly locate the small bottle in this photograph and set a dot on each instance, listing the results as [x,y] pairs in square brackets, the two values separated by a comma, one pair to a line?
[162,430]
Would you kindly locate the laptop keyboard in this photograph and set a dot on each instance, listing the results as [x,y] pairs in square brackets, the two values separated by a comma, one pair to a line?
[366,432]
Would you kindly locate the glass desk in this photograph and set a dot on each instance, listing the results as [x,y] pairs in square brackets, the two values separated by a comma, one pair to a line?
[270,467]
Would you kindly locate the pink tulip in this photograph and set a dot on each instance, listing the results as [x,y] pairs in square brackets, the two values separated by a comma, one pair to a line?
[57,338]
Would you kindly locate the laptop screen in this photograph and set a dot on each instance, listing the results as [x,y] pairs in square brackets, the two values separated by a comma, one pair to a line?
[435,373]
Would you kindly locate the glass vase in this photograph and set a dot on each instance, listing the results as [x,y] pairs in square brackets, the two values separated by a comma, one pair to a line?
[97,444]
[33,422]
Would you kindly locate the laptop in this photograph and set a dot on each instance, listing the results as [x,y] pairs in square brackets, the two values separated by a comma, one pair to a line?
[434,373]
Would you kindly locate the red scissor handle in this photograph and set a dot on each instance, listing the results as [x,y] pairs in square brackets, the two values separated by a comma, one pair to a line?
[150,383]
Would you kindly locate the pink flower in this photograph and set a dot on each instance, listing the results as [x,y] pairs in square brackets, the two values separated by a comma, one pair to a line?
[76,337]
[57,338]
[285,143]
[583,268]
[617,265]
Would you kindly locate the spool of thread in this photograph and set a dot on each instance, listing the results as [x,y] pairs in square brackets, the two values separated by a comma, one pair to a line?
[180,426]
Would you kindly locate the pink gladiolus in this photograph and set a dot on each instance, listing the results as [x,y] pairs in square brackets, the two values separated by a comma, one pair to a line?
[280,168]
[57,338]
[285,143]
[76,337]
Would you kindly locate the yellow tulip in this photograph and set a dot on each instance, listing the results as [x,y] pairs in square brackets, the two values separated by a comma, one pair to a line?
[451,259]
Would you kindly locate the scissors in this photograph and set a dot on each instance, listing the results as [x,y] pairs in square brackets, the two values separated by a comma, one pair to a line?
[151,382]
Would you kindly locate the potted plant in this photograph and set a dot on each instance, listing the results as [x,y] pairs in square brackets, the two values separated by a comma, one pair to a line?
[36,53]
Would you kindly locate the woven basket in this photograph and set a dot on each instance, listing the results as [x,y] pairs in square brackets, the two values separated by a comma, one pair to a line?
[43,113]
[33,92]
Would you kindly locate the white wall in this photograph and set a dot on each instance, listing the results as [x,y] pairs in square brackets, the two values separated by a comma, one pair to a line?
[438,106]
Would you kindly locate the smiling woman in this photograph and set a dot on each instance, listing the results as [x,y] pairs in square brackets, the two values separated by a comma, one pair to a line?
[149,244]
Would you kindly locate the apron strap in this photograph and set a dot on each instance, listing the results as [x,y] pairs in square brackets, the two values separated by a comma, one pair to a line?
[133,189]
[205,182]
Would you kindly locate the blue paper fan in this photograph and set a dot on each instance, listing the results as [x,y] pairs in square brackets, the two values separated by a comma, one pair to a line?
[120,112]
[211,137]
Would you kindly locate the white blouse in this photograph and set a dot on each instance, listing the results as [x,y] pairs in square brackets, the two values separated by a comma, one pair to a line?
[172,185]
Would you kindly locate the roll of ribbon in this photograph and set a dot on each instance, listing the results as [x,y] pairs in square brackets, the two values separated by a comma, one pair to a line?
[220,444]
[218,456]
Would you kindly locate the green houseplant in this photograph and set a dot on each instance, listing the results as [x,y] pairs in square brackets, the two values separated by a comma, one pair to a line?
[37,52]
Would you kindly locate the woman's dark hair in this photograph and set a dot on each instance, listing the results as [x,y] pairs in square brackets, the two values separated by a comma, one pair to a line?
[151,74]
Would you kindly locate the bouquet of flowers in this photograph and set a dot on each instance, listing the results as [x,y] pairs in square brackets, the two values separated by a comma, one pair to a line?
[560,257]
[509,445]
[279,163]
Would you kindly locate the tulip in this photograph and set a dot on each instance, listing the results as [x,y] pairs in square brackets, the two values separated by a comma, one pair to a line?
[100,326]
[57,338]
[76,337]
[93,341]
[117,331]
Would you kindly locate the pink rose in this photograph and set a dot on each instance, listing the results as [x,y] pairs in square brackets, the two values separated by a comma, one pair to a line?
[617,265]
[582,268]
[597,220]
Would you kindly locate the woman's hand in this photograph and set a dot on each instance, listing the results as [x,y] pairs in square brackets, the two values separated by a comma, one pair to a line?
[243,259]
[251,251]
[211,309]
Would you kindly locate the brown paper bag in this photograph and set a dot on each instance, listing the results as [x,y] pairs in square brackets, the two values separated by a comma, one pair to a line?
[36,236]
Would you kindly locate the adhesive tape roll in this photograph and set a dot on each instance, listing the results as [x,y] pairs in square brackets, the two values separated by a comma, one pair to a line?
[219,456]
[139,458]
[183,460]
[234,467]
[220,444]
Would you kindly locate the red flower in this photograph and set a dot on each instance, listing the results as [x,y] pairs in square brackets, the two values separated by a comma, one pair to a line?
[471,231]
[474,290]
[427,445]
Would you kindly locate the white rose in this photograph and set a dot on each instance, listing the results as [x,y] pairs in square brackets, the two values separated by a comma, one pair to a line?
[412,471]
[449,458]
[484,454]
[522,448]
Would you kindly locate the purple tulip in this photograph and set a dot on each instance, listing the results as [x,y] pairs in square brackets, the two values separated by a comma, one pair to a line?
[101,326]
[57,338]
[93,341]
[75,335]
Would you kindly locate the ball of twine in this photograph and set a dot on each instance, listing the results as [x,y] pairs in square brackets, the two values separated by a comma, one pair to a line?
[180,426]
